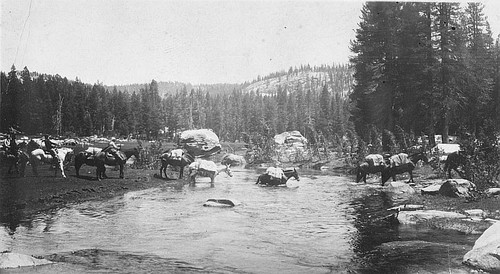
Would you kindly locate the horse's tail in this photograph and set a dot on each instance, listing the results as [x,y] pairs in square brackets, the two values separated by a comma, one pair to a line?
[258,180]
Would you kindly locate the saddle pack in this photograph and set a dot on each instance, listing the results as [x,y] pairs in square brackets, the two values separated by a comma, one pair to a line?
[275,172]
[203,165]
[399,159]
[176,154]
[374,160]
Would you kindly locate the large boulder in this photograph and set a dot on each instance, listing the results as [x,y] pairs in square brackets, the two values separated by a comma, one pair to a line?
[399,187]
[457,188]
[398,191]
[233,160]
[290,137]
[485,254]
[291,147]
[200,142]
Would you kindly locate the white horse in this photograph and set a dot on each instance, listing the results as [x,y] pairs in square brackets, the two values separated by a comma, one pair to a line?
[204,168]
[63,154]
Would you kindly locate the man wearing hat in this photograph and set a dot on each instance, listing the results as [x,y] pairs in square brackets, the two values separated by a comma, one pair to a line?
[112,148]
[50,146]
[13,147]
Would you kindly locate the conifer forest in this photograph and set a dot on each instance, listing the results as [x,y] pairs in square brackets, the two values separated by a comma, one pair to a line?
[416,69]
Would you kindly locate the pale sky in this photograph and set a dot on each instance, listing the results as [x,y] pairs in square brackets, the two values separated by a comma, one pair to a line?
[135,41]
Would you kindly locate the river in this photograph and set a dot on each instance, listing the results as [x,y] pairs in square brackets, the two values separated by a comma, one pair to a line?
[323,223]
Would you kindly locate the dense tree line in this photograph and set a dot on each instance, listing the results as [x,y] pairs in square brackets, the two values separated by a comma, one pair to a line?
[39,103]
[427,68]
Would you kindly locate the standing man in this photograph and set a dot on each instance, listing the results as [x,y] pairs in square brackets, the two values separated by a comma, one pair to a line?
[50,146]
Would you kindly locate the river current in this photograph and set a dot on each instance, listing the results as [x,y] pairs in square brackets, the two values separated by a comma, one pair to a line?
[321,224]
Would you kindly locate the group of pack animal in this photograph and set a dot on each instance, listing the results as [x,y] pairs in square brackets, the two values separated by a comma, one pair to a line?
[33,153]
[199,167]
[204,168]
[59,157]
[389,167]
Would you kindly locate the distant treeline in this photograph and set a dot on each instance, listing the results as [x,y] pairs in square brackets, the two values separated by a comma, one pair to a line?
[39,103]
[430,68]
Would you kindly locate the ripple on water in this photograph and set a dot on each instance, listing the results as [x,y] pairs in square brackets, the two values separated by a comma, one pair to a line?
[326,224]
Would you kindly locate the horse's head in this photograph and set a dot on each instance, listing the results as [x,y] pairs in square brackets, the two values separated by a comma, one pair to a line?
[291,173]
[419,156]
[228,170]
[136,153]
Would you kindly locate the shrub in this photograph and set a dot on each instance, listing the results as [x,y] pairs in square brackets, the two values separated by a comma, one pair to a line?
[482,159]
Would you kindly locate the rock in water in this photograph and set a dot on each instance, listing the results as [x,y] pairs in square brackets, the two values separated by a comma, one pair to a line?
[485,254]
[219,203]
[15,260]
[233,160]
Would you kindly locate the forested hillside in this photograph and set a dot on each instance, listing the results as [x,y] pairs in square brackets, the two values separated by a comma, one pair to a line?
[314,103]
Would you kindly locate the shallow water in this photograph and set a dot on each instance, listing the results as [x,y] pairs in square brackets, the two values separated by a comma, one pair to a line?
[327,224]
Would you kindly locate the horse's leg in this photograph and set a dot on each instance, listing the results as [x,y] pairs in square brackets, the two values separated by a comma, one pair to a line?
[161,168]
[358,175]
[33,166]
[61,167]
[98,172]
[411,177]
[181,173]
[77,168]
[121,171]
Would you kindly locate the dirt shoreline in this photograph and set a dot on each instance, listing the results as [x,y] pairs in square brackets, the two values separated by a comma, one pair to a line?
[21,198]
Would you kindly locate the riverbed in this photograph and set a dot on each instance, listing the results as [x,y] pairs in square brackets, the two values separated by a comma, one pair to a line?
[323,223]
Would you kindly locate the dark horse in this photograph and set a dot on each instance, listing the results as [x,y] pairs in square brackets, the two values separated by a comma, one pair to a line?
[101,159]
[17,162]
[266,179]
[167,159]
[453,162]
[365,168]
[389,172]
[86,157]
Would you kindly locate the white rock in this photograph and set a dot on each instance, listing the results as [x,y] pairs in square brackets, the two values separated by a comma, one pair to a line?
[493,191]
[14,260]
[399,187]
[432,189]
[414,217]
[485,254]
